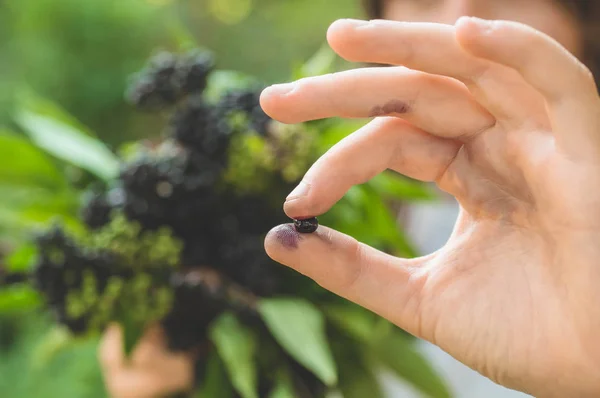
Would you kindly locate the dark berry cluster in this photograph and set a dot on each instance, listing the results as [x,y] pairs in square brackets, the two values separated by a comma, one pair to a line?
[248,102]
[199,127]
[59,269]
[176,191]
[96,209]
[180,185]
[168,78]
[178,237]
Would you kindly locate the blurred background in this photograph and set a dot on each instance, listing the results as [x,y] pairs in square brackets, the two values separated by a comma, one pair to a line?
[78,56]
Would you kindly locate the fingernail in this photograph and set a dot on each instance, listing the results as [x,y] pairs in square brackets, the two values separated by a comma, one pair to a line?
[280,89]
[298,192]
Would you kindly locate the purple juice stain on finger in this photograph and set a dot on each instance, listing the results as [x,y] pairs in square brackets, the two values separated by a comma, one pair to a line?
[393,106]
[287,236]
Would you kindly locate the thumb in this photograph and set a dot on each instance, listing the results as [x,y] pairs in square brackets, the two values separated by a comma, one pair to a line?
[389,286]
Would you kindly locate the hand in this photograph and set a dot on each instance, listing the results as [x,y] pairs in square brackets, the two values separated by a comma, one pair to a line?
[507,121]
[153,371]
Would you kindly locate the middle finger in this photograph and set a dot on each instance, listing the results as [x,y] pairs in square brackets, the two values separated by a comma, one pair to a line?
[433,48]
[437,104]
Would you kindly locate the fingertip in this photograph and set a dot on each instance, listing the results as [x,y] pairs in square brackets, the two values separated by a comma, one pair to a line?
[269,98]
[337,31]
[283,237]
[308,206]
[340,36]
[294,208]
[275,102]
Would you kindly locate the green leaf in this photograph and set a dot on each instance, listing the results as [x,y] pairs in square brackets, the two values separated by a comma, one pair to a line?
[284,388]
[322,62]
[358,381]
[215,382]
[18,298]
[383,222]
[26,220]
[299,328]
[396,186]
[32,101]
[56,340]
[18,197]
[24,164]
[222,81]
[236,346]
[399,354]
[336,131]
[21,259]
[356,321]
[132,333]
[69,144]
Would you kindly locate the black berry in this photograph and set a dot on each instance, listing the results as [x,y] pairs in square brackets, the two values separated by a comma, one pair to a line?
[197,126]
[248,102]
[193,69]
[306,226]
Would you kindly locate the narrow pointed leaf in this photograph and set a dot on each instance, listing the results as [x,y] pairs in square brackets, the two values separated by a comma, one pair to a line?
[299,328]
[237,348]
[399,354]
[32,101]
[355,321]
[320,63]
[360,382]
[26,165]
[215,382]
[284,388]
[69,144]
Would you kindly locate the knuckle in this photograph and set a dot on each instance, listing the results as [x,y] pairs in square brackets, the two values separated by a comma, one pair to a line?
[422,79]
[355,264]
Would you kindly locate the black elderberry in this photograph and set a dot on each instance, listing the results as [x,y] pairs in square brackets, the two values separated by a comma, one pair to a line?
[198,126]
[243,100]
[306,226]
[248,102]
[157,85]
[193,70]
[96,211]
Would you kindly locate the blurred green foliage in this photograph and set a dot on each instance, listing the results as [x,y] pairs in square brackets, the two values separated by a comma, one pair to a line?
[81,53]
[42,362]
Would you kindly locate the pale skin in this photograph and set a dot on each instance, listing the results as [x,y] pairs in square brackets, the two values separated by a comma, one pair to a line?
[152,371]
[505,119]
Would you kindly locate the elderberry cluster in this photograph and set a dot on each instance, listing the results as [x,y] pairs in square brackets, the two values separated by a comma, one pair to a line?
[91,280]
[167,78]
[210,190]
[60,269]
